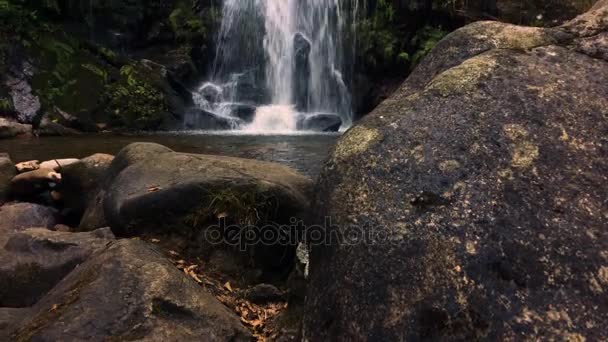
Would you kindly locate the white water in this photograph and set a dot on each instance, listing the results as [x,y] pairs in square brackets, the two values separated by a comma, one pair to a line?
[255,60]
[278,119]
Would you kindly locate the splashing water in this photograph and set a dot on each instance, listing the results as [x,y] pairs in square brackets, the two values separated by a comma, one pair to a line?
[273,119]
[291,56]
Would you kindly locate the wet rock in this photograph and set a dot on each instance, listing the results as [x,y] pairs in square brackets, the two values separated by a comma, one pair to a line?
[33,261]
[302,49]
[263,294]
[211,93]
[130,292]
[471,204]
[33,182]
[202,119]
[7,172]
[30,165]
[320,122]
[243,111]
[50,128]
[58,164]
[19,216]
[11,129]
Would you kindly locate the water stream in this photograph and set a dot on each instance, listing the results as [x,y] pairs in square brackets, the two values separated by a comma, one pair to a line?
[280,66]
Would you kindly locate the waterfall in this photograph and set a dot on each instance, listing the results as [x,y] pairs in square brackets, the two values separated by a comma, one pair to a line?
[283,58]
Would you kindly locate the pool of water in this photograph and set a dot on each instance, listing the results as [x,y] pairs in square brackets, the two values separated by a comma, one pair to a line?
[304,152]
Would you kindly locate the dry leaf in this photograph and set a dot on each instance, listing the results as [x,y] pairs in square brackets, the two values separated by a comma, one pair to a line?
[154,240]
[153,189]
[228,287]
[54,307]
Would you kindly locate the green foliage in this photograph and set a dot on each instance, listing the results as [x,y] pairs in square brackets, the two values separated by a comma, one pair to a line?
[185,23]
[378,39]
[134,101]
[6,105]
[425,40]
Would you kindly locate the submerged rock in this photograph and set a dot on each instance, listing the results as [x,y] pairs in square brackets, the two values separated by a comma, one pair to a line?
[33,261]
[130,292]
[472,203]
[320,122]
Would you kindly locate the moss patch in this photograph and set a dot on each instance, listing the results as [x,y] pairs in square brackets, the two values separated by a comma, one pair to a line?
[463,78]
[356,140]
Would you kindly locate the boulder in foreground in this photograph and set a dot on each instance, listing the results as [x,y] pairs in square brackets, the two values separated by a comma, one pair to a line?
[128,292]
[481,185]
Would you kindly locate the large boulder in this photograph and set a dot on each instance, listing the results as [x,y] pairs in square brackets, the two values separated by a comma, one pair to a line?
[215,202]
[7,172]
[19,216]
[33,261]
[128,292]
[11,129]
[80,181]
[149,186]
[472,203]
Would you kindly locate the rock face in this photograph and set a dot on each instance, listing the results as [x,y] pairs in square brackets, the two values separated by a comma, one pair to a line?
[472,203]
[33,261]
[7,172]
[149,186]
[129,292]
[10,129]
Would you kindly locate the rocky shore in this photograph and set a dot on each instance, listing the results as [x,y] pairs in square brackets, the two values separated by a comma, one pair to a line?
[119,247]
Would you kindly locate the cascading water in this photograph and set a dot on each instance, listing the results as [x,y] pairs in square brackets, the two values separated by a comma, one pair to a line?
[281,65]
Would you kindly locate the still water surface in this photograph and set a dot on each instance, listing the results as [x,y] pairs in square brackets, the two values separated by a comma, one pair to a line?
[304,152]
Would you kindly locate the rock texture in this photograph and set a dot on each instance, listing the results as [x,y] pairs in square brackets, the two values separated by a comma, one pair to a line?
[149,186]
[33,261]
[128,292]
[7,172]
[481,188]
[11,129]
[19,216]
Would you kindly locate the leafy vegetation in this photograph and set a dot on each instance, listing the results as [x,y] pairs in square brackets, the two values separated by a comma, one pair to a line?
[134,101]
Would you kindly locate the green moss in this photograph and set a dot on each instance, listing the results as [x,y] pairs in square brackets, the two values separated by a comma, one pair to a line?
[355,141]
[463,79]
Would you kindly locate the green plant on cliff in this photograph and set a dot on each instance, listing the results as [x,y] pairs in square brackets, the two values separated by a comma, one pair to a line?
[134,102]
[185,23]
[425,40]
